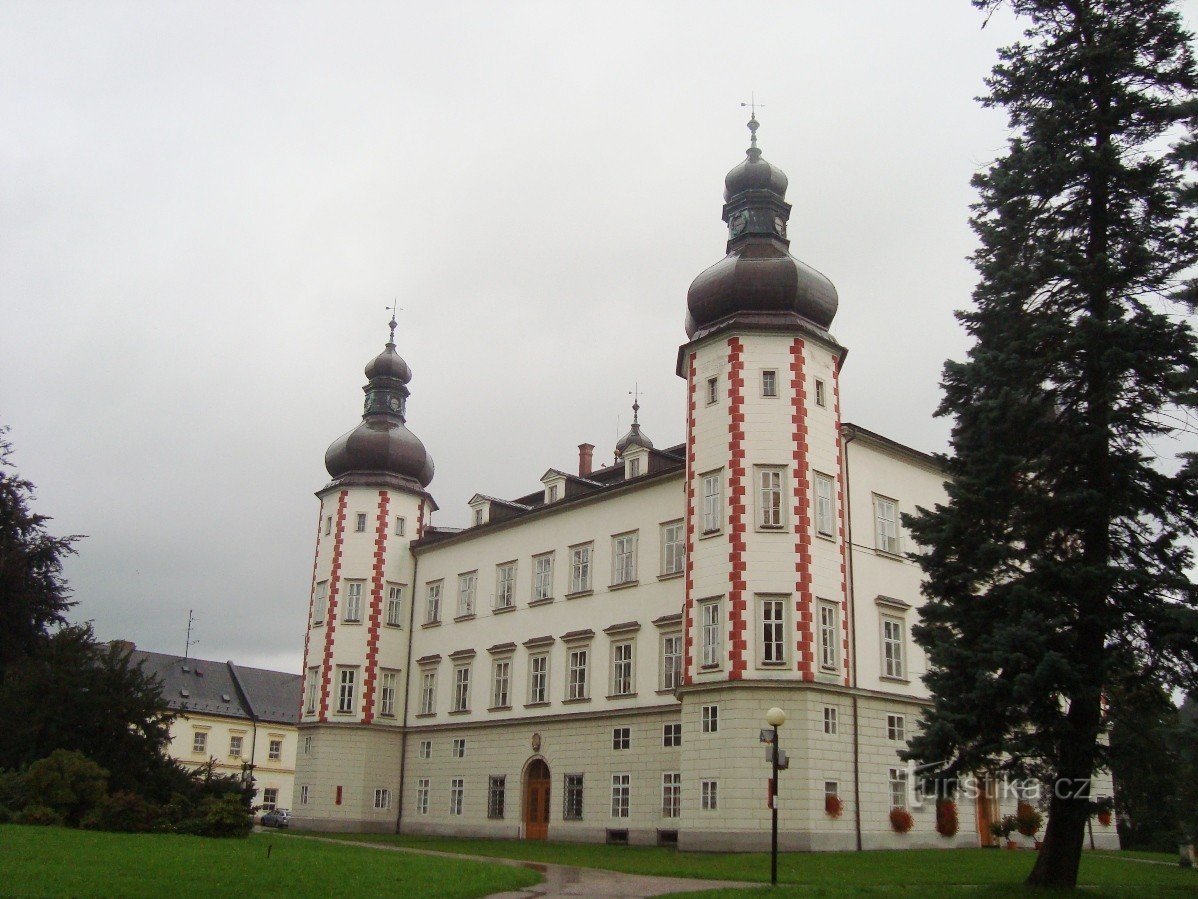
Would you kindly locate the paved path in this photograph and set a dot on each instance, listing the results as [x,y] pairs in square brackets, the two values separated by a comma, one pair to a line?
[563,880]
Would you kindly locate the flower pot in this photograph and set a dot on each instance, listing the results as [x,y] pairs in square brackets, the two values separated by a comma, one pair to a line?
[1011,844]
[1104,818]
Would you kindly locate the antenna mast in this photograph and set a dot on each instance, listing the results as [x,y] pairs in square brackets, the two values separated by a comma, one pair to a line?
[190,642]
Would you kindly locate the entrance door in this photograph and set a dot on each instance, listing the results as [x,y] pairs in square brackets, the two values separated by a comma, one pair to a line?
[536,801]
[987,809]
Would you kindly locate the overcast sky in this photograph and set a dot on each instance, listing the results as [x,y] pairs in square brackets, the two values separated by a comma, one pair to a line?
[205,208]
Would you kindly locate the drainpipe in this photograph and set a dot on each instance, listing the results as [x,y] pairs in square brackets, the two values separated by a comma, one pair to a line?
[407,692]
[847,436]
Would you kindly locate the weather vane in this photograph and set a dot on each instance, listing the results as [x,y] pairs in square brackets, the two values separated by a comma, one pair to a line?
[752,106]
[635,393]
[393,308]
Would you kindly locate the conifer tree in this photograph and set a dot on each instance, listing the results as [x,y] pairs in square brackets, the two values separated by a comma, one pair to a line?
[1058,567]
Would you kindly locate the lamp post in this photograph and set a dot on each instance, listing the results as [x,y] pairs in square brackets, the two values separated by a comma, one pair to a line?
[775,718]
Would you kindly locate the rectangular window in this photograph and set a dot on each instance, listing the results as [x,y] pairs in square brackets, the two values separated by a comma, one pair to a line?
[275,751]
[432,605]
[552,494]
[401,527]
[199,741]
[892,647]
[572,798]
[825,507]
[270,797]
[713,517]
[671,661]
[621,668]
[304,795]
[829,636]
[422,796]
[769,498]
[621,737]
[621,788]
[307,745]
[478,516]
[501,677]
[426,749]
[709,795]
[713,390]
[395,605]
[538,678]
[886,515]
[328,524]
[769,382]
[671,794]
[495,790]
[387,684]
[428,693]
[505,585]
[320,603]
[580,568]
[831,789]
[467,587]
[353,602]
[457,749]
[310,687]
[896,728]
[360,522]
[821,398]
[773,631]
[671,734]
[623,550]
[634,468]
[830,720]
[461,688]
[347,682]
[673,548]
[577,680]
[542,581]
[898,787]
[710,718]
[457,793]
[709,617]
[382,798]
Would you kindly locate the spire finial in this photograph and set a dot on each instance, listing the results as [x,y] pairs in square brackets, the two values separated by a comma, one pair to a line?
[635,393]
[753,124]
[394,308]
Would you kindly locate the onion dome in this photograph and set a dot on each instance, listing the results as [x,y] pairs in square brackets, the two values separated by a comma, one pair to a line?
[758,282]
[382,443]
[634,437]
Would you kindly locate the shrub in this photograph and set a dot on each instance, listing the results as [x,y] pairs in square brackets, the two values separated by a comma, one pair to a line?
[1028,820]
[901,820]
[833,806]
[224,816]
[124,812]
[13,794]
[946,817]
[68,782]
[38,815]
[5,814]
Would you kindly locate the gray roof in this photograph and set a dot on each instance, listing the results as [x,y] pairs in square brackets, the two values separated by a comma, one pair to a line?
[223,688]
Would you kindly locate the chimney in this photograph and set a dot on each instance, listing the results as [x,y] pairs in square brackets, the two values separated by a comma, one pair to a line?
[585,453]
[123,646]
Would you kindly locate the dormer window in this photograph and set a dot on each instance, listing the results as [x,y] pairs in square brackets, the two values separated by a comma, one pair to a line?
[551,493]
[634,468]
[478,516]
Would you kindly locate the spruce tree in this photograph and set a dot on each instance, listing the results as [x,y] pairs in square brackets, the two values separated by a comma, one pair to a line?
[1058,567]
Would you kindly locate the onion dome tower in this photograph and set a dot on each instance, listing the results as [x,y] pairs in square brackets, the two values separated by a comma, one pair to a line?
[634,438]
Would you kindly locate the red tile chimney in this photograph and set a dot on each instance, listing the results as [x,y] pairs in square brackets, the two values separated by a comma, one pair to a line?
[585,453]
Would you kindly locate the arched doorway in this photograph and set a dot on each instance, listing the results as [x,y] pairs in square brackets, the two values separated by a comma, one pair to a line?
[536,800]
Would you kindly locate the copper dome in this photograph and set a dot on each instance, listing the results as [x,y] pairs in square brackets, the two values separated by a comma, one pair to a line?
[380,444]
[754,173]
[389,364]
[633,438]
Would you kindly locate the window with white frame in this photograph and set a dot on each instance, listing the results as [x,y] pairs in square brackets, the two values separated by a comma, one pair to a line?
[709,624]
[671,661]
[673,548]
[457,748]
[825,506]
[623,551]
[634,467]
[457,794]
[898,787]
[422,787]
[304,794]
[501,679]
[572,798]
[352,612]
[274,751]
[821,393]
[394,605]
[713,390]
[896,728]
[328,525]
[199,741]
[382,798]
[769,382]
[347,685]
[461,688]
[428,693]
[387,692]
[771,617]
[432,603]
[709,717]
[360,522]
[270,797]
[580,568]
[713,513]
[621,738]
[831,720]
[496,787]
[308,744]
[621,789]
[671,734]
[426,749]
[310,690]
[621,668]
[886,520]
[467,587]
[892,647]
[709,800]
[320,603]
[671,794]
[542,579]
[829,636]
[551,494]
[538,678]
[401,527]
[770,505]
[577,674]
[478,516]
[505,585]
[831,789]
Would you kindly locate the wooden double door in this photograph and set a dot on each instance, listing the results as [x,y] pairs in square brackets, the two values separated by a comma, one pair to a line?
[536,801]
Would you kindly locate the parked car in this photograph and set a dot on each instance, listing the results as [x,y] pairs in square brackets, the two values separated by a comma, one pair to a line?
[277,817]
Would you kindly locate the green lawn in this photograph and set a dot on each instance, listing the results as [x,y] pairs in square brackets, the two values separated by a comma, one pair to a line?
[930,873]
[53,861]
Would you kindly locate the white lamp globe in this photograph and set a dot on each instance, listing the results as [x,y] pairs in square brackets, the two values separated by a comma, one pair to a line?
[775,717]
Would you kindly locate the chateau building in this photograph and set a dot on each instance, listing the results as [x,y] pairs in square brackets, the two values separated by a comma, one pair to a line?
[594,660]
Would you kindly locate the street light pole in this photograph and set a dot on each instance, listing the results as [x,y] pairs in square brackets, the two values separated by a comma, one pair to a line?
[775,718]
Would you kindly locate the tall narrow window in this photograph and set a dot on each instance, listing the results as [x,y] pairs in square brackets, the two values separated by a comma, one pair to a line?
[773,636]
[496,786]
[432,604]
[825,514]
[621,789]
[353,602]
[310,690]
[892,647]
[709,616]
[551,494]
[623,559]
[580,568]
[572,798]
[347,682]
[461,688]
[360,523]
[328,525]
[320,603]
[829,655]
[577,674]
[304,795]
[199,741]
[467,585]
[501,676]
[621,668]
[713,390]
[542,582]
[538,679]
[671,794]
[769,497]
[457,795]
[673,548]
[671,734]
[821,393]
[401,527]
[713,518]
[709,795]
[478,516]
[422,796]
[634,468]
[457,749]
[387,694]
[896,728]
[898,788]
[769,382]
[426,749]
[886,514]
[671,661]
[395,605]
[428,693]
[505,586]
[831,720]
[709,716]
